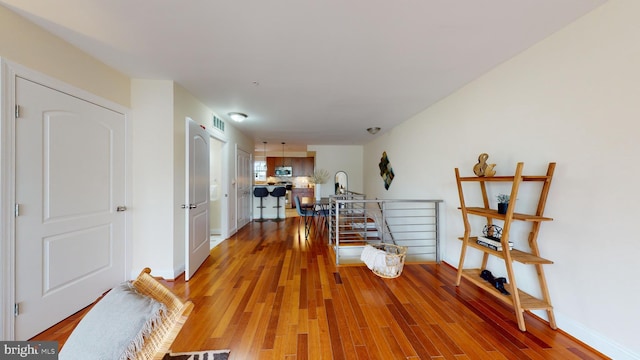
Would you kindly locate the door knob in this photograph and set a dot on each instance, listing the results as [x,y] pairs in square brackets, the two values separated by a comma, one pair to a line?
[121,208]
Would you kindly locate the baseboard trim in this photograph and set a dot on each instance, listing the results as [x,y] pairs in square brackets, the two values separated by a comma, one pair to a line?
[595,340]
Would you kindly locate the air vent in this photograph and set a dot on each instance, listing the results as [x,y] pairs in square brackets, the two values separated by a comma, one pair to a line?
[218,123]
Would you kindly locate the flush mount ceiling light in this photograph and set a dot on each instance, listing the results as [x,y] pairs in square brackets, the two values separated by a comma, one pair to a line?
[373,130]
[237,116]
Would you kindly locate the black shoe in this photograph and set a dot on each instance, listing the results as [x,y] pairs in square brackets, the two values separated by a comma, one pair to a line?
[486,275]
[499,284]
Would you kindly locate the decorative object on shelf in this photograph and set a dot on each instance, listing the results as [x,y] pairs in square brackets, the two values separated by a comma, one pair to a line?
[492,235]
[503,203]
[492,244]
[482,168]
[319,177]
[497,283]
[493,232]
[385,170]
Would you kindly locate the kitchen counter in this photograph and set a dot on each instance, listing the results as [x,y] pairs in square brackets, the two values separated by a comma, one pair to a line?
[269,202]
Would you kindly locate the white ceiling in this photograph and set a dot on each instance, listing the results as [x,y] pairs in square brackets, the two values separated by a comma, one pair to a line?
[307,72]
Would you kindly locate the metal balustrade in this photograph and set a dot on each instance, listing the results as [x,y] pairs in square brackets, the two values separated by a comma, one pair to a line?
[355,222]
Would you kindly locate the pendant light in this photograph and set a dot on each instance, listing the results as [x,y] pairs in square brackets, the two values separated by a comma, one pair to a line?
[283,154]
[264,153]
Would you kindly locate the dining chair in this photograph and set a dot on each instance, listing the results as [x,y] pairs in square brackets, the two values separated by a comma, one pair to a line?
[306,214]
[324,215]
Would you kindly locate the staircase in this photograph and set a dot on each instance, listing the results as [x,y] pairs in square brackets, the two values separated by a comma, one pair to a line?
[356,222]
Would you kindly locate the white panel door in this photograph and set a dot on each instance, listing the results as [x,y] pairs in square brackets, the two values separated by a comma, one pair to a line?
[197,198]
[244,178]
[70,179]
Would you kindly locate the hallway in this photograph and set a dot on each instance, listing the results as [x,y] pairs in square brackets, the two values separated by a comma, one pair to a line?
[266,293]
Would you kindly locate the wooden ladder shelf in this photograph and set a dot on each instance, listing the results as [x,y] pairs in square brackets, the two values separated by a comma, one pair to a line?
[520,300]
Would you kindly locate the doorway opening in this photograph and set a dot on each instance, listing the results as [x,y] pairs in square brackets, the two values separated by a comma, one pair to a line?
[217,193]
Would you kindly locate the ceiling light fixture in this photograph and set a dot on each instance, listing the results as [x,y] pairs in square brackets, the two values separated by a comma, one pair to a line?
[237,116]
[373,130]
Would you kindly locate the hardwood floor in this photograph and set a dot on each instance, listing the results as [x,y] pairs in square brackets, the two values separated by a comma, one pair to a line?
[267,293]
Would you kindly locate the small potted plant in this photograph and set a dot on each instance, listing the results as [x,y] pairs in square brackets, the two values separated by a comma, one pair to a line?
[503,203]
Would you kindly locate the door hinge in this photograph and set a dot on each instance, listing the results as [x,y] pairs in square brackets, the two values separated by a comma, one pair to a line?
[16,210]
[16,309]
[17,111]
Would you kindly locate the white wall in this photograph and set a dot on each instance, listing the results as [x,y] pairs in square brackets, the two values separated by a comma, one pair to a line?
[572,99]
[152,203]
[334,158]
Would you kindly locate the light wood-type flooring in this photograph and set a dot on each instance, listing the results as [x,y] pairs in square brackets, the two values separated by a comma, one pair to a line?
[267,293]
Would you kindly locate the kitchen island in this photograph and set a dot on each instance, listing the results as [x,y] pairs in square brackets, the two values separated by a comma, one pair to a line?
[270,211]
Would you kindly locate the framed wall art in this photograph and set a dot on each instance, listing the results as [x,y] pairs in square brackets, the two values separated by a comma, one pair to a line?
[386,171]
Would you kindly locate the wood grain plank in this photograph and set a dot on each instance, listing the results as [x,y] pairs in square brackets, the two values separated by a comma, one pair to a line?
[267,293]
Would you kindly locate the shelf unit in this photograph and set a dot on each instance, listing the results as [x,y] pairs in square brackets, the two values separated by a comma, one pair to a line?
[520,300]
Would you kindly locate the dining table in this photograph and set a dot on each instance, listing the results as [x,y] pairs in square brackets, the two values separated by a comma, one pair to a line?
[321,207]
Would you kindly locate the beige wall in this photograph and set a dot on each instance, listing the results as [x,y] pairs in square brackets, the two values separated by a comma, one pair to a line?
[29,45]
[334,158]
[572,99]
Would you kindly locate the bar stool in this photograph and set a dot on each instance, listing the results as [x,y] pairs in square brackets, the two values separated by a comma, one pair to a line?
[278,193]
[260,192]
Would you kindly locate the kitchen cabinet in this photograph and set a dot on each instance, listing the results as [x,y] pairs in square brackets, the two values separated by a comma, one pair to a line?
[272,162]
[296,167]
[301,166]
[308,165]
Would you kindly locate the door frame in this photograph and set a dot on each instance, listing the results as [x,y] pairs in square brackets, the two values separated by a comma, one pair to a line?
[8,72]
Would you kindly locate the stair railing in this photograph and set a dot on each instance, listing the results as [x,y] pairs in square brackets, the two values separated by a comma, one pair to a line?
[355,222]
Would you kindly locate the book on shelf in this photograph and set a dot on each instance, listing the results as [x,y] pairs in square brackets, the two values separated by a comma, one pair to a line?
[492,243]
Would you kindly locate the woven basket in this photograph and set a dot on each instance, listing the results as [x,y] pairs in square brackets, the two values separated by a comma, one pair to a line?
[394,260]
[159,341]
